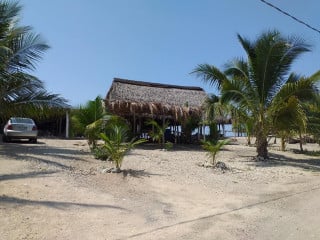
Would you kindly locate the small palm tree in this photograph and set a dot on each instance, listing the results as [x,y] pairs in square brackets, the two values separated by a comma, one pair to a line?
[313,123]
[92,132]
[158,133]
[117,144]
[89,119]
[213,147]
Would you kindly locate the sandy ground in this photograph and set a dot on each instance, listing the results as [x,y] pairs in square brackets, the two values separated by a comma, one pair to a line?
[56,190]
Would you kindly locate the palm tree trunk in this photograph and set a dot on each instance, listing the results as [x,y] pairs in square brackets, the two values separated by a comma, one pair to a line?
[118,169]
[300,137]
[262,145]
[283,144]
[163,137]
[214,160]
[248,139]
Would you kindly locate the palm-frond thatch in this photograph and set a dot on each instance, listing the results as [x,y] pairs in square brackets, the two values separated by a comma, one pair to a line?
[127,97]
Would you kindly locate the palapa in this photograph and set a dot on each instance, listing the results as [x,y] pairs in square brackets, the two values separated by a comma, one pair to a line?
[162,101]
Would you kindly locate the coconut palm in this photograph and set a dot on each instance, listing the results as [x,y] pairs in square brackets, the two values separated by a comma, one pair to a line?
[261,83]
[87,114]
[210,115]
[288,111]
[20,50]
[117,143]
[93,130]
[210,107]
[216,114]
[213,147]
[24,94]
[157,134]
[289,119]
[242,122]
[313,122]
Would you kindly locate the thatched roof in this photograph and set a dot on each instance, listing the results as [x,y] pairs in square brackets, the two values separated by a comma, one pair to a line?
[127,97]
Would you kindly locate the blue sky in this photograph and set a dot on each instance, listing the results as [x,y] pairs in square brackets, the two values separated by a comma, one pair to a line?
[154,40]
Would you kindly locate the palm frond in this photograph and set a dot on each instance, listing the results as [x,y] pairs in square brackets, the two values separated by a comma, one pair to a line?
[27,49]
[238,68]
[210,74]
[271,57]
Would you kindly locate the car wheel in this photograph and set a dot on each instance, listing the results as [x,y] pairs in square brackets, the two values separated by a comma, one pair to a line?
[4,138]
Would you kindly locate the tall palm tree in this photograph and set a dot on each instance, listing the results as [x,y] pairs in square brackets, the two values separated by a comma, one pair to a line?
[261,82]
[20,50]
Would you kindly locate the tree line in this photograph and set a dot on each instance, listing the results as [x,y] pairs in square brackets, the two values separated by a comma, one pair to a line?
[22,93]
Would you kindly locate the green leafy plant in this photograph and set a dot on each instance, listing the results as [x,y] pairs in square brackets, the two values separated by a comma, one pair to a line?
[117,143]
[158,133]
[93,131]
[101,153]
[168,146]
[188,125]
[212,148]
[85,115]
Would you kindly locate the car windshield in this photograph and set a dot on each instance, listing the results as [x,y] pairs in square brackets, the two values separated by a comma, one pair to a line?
[22,120]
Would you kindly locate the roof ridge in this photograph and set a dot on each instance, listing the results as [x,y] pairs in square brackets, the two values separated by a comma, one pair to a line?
[158,85]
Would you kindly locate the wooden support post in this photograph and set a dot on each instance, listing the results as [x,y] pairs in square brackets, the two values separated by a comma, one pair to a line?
[67,124]
[163,123]
[134,123]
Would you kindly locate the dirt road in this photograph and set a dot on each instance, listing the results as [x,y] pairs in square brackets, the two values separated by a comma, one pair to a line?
[56,190]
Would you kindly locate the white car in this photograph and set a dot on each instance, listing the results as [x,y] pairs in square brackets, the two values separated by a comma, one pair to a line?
[20,128]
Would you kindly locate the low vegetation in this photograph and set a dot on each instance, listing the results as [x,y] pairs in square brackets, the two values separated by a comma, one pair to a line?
[212,148]
[117,143]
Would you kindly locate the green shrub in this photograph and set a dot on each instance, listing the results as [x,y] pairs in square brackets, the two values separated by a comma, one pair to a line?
[168,146]
[117,143]
[213,147]
[101,153]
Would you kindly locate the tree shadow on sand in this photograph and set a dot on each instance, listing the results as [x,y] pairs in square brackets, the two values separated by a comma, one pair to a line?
[59,157]
[6,177]
[311,164]
[16,150]
[52,204]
